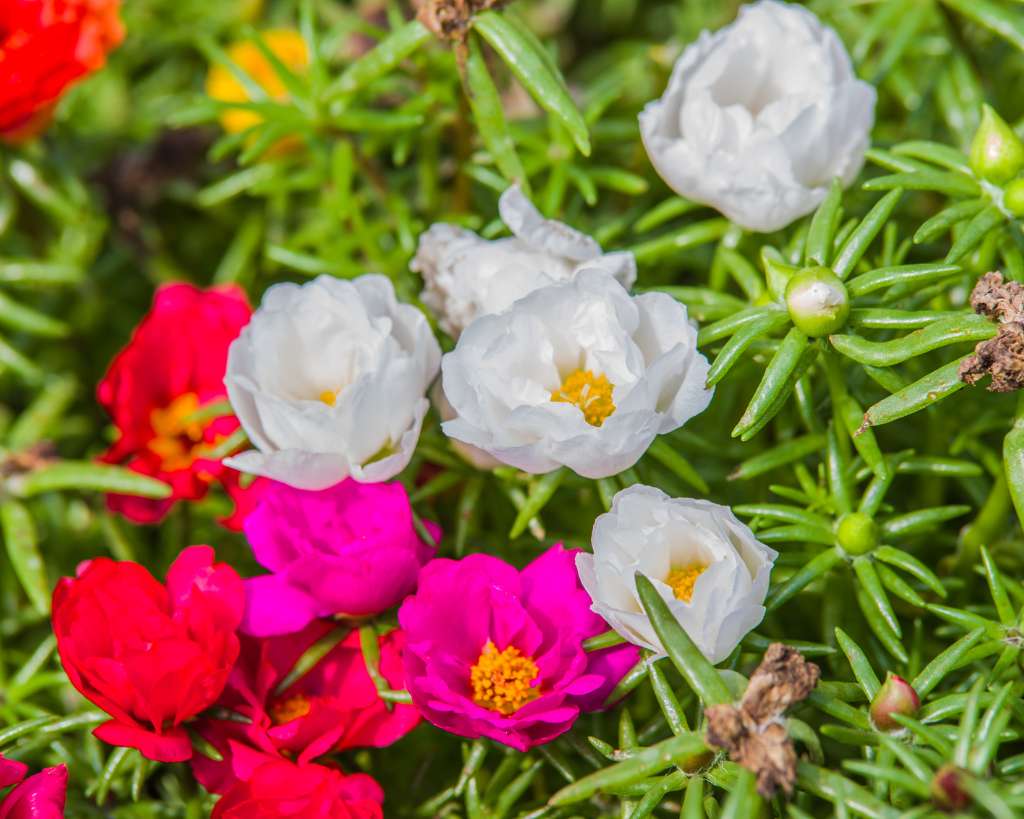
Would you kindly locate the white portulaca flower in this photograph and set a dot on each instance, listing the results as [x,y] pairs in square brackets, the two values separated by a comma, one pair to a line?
[578,374]
[329,381]
[760,117]
[708,567]
[466,276]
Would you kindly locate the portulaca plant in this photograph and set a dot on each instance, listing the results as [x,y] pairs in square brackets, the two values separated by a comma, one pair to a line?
[511,409]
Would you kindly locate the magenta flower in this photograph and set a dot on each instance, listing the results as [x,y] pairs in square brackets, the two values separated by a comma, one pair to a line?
[351,549]
[492,651]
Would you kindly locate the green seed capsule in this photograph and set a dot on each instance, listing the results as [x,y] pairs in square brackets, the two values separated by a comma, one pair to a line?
[857,533]
[817,301]
[1013,197]
[997,153]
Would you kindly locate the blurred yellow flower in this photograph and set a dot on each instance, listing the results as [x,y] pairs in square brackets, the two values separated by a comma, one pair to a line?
[286,44]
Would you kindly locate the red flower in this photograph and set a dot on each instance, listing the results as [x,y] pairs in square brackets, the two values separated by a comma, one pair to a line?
[279,789]
[150,655]
[333,707]
[173,366]
[39,797]
[45,45]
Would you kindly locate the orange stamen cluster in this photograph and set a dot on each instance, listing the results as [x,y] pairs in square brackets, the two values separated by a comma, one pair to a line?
[591,393]
[289,708]
[683,579]
[502,680]
[175,438]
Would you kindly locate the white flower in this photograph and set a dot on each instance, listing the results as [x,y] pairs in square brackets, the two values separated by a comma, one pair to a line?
[707,565]
[578,374]
[329,381]
[466,276]
[760,117]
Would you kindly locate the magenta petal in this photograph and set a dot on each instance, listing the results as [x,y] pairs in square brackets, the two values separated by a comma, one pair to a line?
[11,772]
[273,606]
[38,797]
[351,547]
[611,664]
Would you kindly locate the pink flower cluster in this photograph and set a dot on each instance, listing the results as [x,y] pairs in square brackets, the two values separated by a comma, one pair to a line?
[256,682]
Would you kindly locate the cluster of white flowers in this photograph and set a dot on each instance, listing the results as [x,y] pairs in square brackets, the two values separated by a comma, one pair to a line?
[466,277]
[555,363]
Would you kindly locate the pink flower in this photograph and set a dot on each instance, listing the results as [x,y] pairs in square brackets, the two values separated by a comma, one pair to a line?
[333,707]
[39,797]
[351,549]
[278,790]
[151,655]
[496,652]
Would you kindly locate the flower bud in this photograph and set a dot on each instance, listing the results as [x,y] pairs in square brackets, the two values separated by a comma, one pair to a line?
[817,301]
[1013,197]
[857,533]
[997,153]
[947,789]
[896,696]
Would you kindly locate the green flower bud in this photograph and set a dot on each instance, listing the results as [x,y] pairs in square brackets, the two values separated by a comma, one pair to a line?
[817,301]
[857,533]
[1013,197]
[896,696]
[997,153]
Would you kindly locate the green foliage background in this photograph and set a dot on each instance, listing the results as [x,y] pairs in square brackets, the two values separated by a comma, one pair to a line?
[136,185]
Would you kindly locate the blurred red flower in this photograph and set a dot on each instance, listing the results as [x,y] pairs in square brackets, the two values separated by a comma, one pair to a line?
[45,45]
[172,367]
[278,790]
[41,796]
[332,707]
[150,655]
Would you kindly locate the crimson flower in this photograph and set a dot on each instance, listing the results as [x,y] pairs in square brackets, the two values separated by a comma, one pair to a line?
[332,707]
[151,655]
[172,368]
[279,790]
[45,45]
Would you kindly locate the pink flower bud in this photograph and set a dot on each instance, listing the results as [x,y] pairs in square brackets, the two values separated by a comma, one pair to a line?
[896,696]
[947,789]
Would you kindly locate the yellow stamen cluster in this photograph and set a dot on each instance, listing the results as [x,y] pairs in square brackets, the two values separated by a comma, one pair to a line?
[591,393]
[175,438]
[501,680]
[289,708]
[683,579]
[328,397]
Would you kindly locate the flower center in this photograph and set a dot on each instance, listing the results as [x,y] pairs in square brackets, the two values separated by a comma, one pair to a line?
[683,579]
[289,708]
[328,397]
[591,393]
[175,438]
[502,680]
